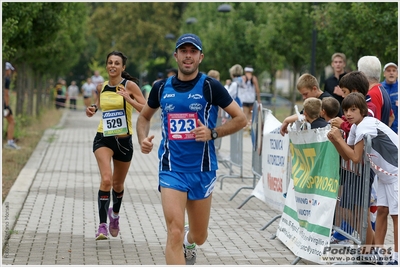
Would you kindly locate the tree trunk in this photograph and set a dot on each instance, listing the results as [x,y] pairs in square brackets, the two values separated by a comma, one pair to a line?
[39,90]
[273,90]
[30,89]
[294,88]
[19,108]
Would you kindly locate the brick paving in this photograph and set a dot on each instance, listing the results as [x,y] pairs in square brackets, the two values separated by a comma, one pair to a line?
[50,214]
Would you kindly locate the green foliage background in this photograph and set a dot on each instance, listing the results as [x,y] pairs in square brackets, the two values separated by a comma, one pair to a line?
[48,40]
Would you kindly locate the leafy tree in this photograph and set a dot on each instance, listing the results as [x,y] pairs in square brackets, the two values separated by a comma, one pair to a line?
[264,35]
[137,29]
[290,42]
[17,21]
[47,41]
[224,35]
[362,28]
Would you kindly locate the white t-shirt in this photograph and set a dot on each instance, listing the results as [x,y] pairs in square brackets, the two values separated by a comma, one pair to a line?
[88,89]
[73,91]
[233,89]
[247,93]
[97,80]
[384,147]
[9,66]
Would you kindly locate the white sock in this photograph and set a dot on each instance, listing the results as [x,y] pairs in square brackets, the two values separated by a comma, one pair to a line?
[10,141]
[185,240]
[395,256]
[114,216]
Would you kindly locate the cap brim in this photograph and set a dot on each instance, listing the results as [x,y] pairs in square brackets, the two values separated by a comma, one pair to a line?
[179,45]
[389,65]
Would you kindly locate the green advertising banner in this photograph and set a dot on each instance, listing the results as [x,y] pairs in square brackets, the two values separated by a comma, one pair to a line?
[306,221]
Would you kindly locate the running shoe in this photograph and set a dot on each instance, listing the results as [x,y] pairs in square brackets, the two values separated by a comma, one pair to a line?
[190,251]
[114,224]
[12,145]
[102,233]
[393,262]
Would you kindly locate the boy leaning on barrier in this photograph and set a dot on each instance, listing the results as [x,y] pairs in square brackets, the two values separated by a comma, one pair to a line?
[330,107]
[312,108]
[354,81]
[308,86]
[383,157]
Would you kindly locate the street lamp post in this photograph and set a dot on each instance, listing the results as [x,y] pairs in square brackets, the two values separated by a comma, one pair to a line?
[191,20]
[169,36]
[313,51]
[313,47]
[224,8]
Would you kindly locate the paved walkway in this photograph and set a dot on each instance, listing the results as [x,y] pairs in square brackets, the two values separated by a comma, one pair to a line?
[50,214]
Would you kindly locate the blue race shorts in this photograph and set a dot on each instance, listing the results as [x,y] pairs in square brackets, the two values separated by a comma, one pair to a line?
[198,185]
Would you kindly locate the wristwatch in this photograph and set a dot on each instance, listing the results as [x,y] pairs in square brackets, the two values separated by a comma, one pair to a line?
[214,134]
[95,106]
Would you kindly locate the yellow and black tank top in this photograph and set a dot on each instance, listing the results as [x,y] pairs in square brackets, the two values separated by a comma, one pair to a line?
[116,112]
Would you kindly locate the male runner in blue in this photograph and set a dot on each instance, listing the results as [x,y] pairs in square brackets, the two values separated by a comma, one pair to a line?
[187,170]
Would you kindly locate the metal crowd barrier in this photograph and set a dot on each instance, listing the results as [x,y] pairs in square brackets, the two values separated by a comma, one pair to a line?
[235,158]
[256,155]
[218,141]
[354,197]
[353,202]
[352,210]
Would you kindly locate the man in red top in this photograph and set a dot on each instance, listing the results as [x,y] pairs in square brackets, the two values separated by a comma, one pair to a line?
[372,68]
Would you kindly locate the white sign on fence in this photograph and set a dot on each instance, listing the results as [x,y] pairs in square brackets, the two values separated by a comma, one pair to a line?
[275,164]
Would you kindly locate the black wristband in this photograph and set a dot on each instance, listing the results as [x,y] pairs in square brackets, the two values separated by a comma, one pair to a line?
[94,105]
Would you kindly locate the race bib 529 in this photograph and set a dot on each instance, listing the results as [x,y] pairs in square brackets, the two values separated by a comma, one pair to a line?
[114,122]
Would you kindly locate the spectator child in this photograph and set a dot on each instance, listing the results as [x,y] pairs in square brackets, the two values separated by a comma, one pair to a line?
[308,86]
[330,108]
[383,158]
[312,110]
[354,81]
